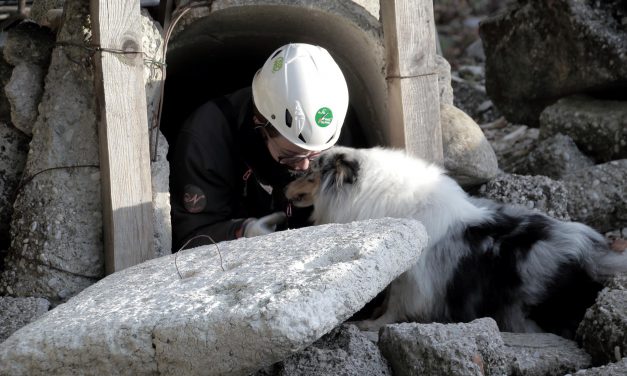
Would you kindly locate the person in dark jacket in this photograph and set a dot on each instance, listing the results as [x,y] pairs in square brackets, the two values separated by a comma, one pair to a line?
[235,154]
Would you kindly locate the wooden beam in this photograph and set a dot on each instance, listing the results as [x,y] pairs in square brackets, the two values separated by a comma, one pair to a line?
[123,133]
[413,94]
[165,13]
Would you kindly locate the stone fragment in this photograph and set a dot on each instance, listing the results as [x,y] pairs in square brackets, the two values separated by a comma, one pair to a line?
[543,354]
[597,195]
[444,80]
[475,348]
[532,192]
[6,70]
[603,331]
[531,48]
[598,127]
[13,150]
[152,45]
[343,351]
[57,241]
[24,92]
[227,309]
[56,231]
[29,43]
[41,10]
[553,157]
[468,156]
[17,312]
[610,369]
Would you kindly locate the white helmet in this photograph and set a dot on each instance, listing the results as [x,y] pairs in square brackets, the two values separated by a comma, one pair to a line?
[302,92]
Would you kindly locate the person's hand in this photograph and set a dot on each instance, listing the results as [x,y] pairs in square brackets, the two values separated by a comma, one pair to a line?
[264,225]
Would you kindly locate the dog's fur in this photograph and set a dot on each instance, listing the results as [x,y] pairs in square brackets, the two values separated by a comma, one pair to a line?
[526,270]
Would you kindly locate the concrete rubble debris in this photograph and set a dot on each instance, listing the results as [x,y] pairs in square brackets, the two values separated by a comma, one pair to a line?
[532,192]
[28,48]
[17,312]
[610,369]
[57,247]
[474,348]
[14,146]
[553,157]
[343,351]
[598,126]
[530,48]
[603,331]
[543,354]
[597,195]
[233,309]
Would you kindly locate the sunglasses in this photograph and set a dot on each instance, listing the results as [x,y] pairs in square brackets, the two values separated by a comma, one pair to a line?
[296,159]
[288,160]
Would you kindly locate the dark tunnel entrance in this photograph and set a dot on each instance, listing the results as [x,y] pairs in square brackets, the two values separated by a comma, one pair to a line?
[218,52]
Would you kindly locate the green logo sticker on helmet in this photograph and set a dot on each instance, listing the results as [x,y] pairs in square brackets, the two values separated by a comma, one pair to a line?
[324,116]
[278,64]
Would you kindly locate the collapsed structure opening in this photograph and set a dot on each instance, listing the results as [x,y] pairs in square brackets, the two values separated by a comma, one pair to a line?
[217,51]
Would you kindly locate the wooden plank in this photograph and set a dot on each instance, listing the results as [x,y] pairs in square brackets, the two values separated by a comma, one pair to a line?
[123,134]
[413,93]
[417,129]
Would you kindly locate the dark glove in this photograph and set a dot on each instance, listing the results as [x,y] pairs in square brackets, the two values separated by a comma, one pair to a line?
[264,225]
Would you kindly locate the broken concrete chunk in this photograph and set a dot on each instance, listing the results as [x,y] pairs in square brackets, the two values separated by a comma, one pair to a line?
[29,43]
[344,351]
[531,46]
[13,151]
[554,157]
[598,127]
[227,309]
[17,312]
[532,192]
[611,369]
[475,348]
[24,91]
[603,331]
[597,195]
[543,354]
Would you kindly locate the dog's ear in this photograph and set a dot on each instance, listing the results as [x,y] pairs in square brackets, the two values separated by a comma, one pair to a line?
[341,168]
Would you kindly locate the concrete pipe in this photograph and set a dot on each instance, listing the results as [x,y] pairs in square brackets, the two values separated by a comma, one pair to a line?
[216,49]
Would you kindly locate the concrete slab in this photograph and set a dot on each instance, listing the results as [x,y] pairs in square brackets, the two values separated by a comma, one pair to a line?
[252,304]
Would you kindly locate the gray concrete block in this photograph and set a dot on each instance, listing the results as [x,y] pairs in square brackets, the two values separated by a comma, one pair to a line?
[344,351]
[475,348]
[18,312]
[543,354]
[232,310]
[603,331]
[610,369]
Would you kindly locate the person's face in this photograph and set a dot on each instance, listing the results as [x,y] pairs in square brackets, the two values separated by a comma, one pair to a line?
[286,153]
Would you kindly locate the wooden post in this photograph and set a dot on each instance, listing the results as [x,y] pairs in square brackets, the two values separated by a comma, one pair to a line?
[413,94]
[123,134]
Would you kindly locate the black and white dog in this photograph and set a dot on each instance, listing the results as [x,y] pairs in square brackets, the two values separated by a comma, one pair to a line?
[526,270]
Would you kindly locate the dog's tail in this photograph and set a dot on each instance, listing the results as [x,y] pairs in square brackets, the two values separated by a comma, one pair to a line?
[600,261]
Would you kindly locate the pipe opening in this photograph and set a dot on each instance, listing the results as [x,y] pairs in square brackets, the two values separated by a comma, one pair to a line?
[219,52]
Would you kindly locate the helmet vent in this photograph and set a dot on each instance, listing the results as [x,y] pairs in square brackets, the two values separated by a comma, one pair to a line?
[276,53]
[329,140]
[300,136]
[288,118]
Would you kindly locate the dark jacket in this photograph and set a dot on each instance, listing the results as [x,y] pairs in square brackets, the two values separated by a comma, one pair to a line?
[223,173]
